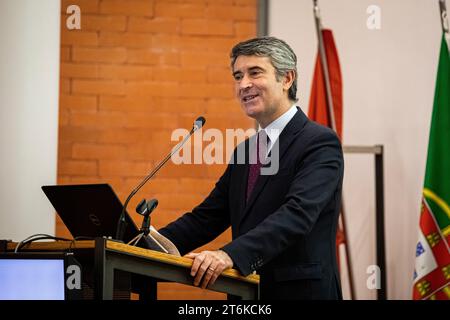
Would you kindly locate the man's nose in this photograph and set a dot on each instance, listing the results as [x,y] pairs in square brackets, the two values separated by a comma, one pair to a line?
[245,82]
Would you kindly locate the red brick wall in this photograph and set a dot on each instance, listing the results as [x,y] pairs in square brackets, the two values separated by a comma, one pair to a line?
[135,71]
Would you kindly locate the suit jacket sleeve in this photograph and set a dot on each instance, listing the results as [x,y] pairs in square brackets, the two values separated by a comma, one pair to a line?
[317,177]
[206,221]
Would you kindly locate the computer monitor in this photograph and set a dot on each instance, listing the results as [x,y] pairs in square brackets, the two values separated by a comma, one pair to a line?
[31,276]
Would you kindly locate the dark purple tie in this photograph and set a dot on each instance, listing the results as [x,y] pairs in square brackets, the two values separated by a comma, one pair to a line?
[255,168]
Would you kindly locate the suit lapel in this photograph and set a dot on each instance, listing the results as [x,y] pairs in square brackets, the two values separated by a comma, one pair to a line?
[284,141]
[242,171]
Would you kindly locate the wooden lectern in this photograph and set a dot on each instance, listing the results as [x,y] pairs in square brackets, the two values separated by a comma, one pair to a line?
[151,266]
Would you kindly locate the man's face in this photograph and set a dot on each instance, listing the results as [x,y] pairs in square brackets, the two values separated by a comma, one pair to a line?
[257,87]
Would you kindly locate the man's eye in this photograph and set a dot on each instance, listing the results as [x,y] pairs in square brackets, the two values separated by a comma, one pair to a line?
[255,73]
[237,77]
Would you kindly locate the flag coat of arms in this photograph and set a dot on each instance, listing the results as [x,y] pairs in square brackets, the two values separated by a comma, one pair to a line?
[432,268]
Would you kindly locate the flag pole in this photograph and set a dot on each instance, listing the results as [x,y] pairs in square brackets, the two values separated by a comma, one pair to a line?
[323,59]
[329,100]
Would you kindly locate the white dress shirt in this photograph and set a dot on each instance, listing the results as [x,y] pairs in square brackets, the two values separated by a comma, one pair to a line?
[274,129]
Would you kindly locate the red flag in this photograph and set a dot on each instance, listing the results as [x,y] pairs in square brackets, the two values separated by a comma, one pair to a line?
[318,110]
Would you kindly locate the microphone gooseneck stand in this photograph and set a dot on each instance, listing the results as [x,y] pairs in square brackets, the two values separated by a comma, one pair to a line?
[122,223]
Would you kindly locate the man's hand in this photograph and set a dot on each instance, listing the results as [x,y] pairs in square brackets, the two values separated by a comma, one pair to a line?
[208,265]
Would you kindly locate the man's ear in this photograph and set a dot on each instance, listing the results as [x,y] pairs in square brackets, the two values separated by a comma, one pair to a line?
[288,79]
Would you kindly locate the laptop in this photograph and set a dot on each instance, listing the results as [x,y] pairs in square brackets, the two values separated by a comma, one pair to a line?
[89,210]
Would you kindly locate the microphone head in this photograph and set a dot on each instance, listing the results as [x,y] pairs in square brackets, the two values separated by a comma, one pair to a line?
[199,122]
[152,204]
[141,208]
[144,208]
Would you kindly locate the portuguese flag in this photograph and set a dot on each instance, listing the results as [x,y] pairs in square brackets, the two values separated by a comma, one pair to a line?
[432,269]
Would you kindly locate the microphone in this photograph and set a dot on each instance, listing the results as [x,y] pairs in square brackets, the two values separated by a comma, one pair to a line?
[198,123]
[145,208]
[122,223]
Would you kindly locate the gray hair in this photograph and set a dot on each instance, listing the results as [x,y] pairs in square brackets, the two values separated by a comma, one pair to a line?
[279,52]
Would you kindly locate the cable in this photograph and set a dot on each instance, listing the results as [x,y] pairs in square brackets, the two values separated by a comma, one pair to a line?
[35,237]
[44,236]
[78,238]
[26,239]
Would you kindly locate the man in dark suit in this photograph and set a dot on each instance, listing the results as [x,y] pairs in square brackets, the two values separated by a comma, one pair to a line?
[284,220]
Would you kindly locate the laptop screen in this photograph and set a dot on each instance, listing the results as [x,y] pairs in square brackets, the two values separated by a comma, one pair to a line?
[89,210]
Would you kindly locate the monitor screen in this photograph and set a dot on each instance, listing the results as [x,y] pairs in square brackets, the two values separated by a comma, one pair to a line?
[32,279]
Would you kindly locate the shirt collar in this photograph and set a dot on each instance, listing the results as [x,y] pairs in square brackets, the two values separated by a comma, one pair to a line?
[274,129]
